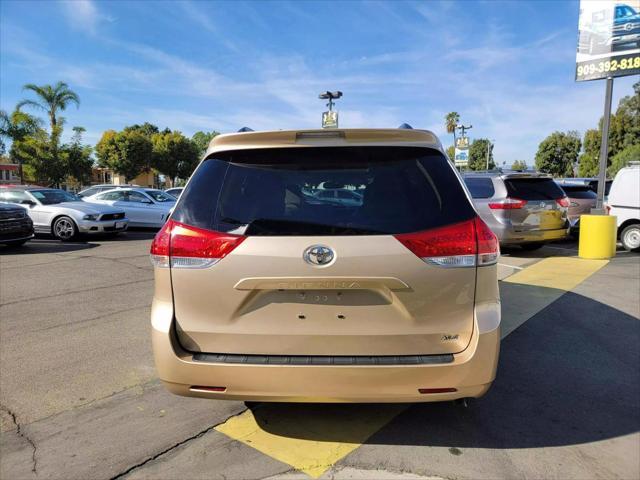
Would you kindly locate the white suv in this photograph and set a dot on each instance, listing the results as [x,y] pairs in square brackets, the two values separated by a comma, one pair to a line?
[624,203]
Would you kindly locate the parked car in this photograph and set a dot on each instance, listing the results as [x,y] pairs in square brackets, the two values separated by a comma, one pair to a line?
[581,200]
[624,203]
[174,192]
[592,183]
[339,196]
[145,207]
[263,293]
[88,192]
[522,208]
[64,214]
[16,226]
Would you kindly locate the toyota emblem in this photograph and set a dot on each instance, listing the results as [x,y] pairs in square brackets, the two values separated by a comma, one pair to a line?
[318,255]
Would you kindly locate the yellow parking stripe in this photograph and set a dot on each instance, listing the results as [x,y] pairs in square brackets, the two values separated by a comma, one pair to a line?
[528,291]
[312,438]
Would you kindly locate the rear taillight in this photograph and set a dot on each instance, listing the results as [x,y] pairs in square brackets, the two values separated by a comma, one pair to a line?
[508,204]
[183,246]
[488,245]
[563,202]
[464,244]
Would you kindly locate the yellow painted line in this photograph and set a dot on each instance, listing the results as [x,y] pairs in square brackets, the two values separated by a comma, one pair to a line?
[528,291]
[289,432]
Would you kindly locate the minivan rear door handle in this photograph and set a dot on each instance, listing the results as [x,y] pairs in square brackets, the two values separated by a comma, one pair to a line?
[320,283]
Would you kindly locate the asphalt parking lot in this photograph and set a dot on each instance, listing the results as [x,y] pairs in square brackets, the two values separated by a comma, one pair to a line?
[80,399]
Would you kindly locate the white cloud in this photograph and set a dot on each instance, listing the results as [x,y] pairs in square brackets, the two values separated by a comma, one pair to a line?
[84,15]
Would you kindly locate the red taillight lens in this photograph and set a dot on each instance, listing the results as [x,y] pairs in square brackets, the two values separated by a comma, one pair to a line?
[508,204]
[450,246]
[160,246]
[563,202]
[184,246]
[454,245]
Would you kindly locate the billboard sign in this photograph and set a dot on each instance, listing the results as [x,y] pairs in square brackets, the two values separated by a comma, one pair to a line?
[608,39]
[461,157]
[330,119]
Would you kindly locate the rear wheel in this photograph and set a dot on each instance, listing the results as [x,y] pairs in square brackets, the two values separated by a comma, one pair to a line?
[64,229]
[529,247]
[630,237]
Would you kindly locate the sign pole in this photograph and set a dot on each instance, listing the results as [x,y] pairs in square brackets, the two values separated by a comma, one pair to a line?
[604,149]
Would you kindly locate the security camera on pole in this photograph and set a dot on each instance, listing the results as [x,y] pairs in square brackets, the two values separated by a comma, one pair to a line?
[608,47]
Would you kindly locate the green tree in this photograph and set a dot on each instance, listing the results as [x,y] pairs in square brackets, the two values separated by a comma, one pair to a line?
[40,154]
[622,159]
[519,165]
[624,131]
[202,139]
[451,122]
[128,153]
[15,128]
[51,99]
[557,153]
[588,162]
[451,152]
[478,151]
[76,157]
[147,129]
[174,155]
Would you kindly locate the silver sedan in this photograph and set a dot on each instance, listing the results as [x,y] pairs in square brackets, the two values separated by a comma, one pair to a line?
[145,207]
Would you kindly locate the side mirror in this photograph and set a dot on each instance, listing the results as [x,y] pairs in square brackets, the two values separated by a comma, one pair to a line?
[31,203]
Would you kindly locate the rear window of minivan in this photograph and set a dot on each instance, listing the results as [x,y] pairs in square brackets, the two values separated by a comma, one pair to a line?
[480,187]
[579,191]
[324,191]
[533,188]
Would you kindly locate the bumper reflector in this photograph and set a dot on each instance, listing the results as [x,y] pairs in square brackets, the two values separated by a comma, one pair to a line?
[201,388]
[437,390]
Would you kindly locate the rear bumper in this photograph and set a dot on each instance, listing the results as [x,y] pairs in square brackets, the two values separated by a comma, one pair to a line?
[510,236]
[471,372]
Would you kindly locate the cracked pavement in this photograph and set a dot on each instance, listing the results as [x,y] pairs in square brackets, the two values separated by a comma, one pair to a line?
[79,397]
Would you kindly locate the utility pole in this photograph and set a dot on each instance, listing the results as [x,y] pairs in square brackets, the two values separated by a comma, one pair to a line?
[489,148]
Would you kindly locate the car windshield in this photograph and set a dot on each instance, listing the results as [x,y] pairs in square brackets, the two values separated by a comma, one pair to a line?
[53,196]
[160,196]
[324,191]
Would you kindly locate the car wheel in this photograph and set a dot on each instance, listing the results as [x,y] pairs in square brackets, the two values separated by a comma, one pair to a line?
[529,247]
[64,229]
[630,238]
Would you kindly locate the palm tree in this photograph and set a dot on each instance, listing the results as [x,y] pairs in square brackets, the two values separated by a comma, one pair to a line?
[51,99]
[452,120]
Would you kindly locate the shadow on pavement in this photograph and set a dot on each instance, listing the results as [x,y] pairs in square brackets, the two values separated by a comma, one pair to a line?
[569,375]
[43,245]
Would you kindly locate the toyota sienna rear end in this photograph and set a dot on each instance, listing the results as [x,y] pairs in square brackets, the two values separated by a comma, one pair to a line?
[326,266]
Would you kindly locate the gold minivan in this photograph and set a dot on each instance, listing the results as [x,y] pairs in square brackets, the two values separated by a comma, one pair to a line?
[343,265]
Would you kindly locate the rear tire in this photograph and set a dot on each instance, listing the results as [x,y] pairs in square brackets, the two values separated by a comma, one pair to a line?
[530,247]
[630,238]
[64,229]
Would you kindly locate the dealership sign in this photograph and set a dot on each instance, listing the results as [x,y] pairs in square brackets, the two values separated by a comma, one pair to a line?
[461,158]
[608,39]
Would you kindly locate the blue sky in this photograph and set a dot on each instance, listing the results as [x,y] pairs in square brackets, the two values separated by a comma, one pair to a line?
[506,67]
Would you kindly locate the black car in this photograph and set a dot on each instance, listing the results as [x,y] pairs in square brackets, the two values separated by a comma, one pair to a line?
[15,225]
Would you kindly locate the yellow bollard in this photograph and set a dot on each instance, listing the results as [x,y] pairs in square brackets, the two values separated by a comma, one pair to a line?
[598,236]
